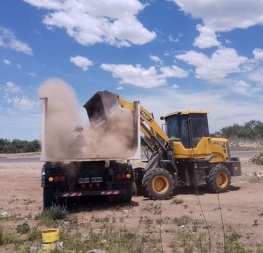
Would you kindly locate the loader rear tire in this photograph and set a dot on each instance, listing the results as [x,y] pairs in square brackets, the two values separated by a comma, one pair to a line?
[219,179]
[158,184]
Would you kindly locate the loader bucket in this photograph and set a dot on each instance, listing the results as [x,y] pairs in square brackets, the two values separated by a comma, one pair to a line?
[99,107]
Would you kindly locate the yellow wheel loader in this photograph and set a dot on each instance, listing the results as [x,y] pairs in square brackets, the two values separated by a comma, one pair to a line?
[183,155]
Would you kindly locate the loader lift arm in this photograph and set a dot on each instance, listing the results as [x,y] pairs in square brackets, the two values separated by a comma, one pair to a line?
[160,176]
[146,117]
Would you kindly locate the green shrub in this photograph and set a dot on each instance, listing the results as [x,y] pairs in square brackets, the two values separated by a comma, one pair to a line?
[22,228]
[55,212]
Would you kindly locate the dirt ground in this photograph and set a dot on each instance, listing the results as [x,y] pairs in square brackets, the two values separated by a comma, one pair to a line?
[240,209]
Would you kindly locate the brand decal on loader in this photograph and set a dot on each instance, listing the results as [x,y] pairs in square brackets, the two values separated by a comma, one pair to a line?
[146,116]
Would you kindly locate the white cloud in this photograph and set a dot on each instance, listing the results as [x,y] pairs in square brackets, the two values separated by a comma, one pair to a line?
[13,96]
[224,15]
[175,86]
[32,74]
[258,53]
[97,21]
[119,88]
[81,62]
[249,65]
[207,37]
[145,78]
[156,59]
[7,62]
[11,87]
[222,62]
[242,87]
[18,66]
[47,4]
[137,76]
[172,39]
[9,40]
[24,104]
[256,76]
[173,71]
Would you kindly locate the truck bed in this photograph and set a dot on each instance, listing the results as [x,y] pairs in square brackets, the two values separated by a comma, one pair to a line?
[115,137]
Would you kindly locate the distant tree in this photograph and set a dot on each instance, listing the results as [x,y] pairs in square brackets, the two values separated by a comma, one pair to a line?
[3,145]
[33,146]
[250,130]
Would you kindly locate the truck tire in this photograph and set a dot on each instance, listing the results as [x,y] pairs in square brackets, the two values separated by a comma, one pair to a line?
[219,179]
[138,189]
[158,184]
[125,198]
[115,199]
[48,198]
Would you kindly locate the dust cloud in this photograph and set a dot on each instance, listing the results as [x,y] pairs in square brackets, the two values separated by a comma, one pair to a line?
[63,137]
[116,138]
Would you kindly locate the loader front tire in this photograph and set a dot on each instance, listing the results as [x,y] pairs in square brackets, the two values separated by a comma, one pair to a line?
[219,179]
[158,184]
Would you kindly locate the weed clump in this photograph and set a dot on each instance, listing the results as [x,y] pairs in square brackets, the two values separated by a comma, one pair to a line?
[23,228]
[55,212]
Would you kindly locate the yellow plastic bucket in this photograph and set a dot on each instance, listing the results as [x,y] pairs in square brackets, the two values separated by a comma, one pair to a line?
[49,239]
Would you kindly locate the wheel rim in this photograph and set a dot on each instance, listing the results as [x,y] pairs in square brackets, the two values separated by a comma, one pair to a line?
[160,184]
[222,179]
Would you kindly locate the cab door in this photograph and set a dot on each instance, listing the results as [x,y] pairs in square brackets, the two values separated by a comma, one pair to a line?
[198,128]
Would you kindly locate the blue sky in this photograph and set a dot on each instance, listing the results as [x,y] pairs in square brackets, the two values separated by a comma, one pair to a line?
[171,55]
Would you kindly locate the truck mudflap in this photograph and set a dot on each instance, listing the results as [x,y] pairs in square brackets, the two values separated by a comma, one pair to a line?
[90,193]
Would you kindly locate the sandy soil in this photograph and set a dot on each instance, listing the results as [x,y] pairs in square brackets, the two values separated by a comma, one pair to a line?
[241,207]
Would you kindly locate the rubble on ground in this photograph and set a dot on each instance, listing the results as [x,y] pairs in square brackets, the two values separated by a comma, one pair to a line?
[257,158]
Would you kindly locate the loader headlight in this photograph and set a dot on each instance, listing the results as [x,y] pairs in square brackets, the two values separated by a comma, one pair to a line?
[128,175]
[50,179]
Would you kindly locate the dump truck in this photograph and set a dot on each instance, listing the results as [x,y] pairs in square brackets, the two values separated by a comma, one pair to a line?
[70,171]
[182,154]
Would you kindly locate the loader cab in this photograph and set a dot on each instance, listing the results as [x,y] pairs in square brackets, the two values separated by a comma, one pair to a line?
[187,126]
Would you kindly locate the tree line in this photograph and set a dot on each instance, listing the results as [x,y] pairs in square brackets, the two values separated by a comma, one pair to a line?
[250,130]
[18,146]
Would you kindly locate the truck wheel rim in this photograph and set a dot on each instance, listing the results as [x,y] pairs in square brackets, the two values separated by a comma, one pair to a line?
[160,184]
[222,179]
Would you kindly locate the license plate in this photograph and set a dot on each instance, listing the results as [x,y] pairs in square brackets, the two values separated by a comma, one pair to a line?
[84,180]
[96,179]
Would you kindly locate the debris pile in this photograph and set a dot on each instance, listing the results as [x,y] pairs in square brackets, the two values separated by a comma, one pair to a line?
[257,158]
